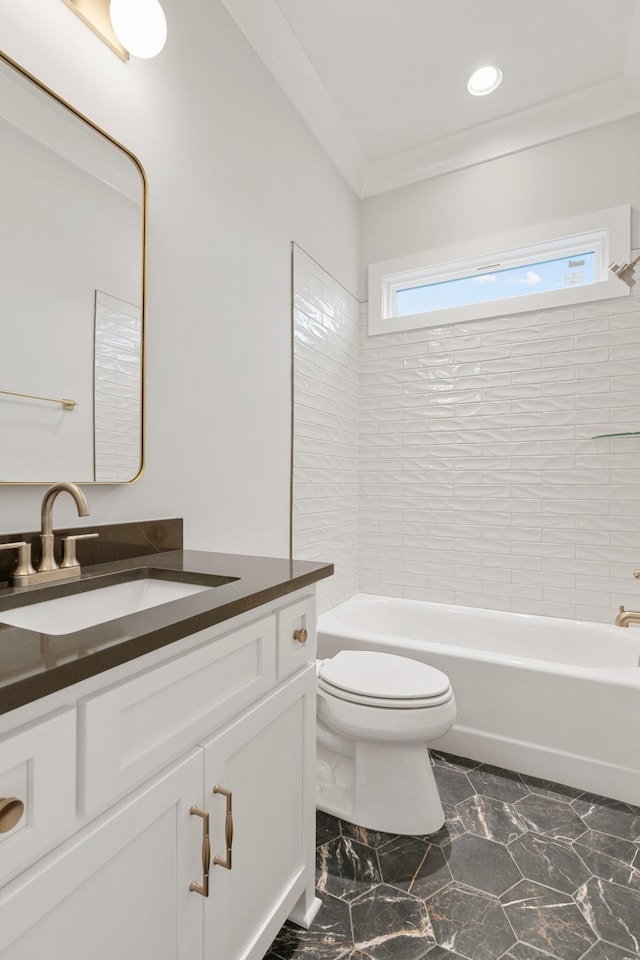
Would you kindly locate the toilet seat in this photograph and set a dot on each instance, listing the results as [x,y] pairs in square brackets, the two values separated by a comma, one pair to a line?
[383,680]
[386,703]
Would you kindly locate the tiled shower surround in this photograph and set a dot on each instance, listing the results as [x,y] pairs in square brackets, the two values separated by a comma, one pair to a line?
[479,481]
[117,388]
[326,427]
[523,869]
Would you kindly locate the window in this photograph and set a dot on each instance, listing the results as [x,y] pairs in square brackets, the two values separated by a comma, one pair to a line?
[498,281]
[554,268]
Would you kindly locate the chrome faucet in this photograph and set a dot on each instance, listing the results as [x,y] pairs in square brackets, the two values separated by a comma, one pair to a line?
[625,617]
[24,575]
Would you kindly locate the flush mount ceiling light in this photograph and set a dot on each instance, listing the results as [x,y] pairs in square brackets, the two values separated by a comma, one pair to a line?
[138,27]
[484,80]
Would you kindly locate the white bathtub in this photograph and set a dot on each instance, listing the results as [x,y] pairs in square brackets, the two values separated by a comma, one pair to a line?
[557,699]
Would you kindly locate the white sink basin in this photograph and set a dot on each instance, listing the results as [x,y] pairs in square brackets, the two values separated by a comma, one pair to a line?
[81,610]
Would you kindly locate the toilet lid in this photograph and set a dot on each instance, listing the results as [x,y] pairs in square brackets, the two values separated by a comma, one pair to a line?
[383,676]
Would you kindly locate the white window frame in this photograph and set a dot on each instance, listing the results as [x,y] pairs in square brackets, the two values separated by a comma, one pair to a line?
[607,232]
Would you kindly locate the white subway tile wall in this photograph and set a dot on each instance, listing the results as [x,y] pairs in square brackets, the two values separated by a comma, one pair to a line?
[325,474]
[479,481]
[117,389]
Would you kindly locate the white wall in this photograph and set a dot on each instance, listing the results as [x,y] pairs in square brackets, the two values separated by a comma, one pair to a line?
[587,171]
[234,176]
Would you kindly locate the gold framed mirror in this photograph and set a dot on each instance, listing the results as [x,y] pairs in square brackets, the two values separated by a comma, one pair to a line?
[72,292]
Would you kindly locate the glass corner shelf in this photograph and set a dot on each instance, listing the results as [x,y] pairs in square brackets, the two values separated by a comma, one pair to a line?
[628,433]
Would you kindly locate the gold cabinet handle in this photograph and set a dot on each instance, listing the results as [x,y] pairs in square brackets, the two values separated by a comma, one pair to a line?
[11,810]
[228,828]
[202,888]
[300,635]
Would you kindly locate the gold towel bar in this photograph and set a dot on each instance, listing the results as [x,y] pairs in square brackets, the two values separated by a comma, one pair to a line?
[67,404]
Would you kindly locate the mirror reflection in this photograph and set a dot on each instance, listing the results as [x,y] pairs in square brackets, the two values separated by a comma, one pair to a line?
[71,293]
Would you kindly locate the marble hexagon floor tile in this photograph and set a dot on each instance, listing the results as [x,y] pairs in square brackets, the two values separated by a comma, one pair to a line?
[414,865]
[370,838]
[454,785]
[550,862]
[607,951]
[546,788]
[612,911]
[329,937]
[523,869]
[609,858]
[346,869]
[492,819]
[327,828]
[497,783]
[482,864]
[608,816]
[471,923]
[388,925]
[548,920]
[522,951]
[551,817]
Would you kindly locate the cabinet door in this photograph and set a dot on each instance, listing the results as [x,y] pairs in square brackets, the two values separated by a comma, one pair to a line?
[263,759]
[120,887]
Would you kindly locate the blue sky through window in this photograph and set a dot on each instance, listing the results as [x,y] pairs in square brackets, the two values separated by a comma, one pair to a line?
[573,271]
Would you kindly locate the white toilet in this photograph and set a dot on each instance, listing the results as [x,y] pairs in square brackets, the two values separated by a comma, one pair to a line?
[376,714]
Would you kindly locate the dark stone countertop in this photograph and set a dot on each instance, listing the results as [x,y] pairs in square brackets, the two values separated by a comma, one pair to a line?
[33,665]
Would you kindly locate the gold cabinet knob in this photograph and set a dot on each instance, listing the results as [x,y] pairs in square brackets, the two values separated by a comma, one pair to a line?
[300,635]
[11,810]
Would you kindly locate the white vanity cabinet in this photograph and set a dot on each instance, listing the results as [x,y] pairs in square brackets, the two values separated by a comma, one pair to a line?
[118,888]
[222,733]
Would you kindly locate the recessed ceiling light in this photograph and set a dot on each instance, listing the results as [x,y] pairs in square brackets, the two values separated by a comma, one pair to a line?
[484,80]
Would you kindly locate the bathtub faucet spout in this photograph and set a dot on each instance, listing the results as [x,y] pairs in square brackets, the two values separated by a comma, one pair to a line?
[625,617]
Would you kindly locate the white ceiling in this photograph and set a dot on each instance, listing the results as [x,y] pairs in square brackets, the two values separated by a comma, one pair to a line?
[381,83]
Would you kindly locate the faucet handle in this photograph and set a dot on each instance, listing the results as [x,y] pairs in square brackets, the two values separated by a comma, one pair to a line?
[24,557]
[69,559]
[636,574]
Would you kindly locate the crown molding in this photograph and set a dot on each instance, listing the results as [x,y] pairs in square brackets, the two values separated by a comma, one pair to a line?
[553,120]
[268,31]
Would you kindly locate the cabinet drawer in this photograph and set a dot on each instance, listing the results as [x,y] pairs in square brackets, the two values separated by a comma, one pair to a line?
[132,729]
[293,650]
[38,768]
